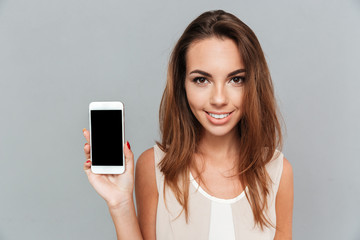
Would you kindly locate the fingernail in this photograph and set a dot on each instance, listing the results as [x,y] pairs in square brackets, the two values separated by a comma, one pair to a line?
[87,161]
[84,129]
[128,144]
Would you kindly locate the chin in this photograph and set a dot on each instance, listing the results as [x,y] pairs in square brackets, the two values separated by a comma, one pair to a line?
[219,131]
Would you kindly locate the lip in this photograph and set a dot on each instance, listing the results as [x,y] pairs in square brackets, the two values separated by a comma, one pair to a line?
[216,121]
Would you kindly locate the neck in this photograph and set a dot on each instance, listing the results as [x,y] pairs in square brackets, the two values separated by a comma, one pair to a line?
[220,150]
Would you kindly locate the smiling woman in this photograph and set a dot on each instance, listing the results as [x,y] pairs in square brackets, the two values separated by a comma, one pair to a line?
[214,89]
[217,172]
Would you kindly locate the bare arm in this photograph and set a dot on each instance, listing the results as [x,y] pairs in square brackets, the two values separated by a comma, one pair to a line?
[123,214]
[117,191]
[284,203]
[146,194]
[125,221]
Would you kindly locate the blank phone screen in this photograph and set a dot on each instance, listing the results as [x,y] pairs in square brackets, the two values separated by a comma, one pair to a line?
[106,137]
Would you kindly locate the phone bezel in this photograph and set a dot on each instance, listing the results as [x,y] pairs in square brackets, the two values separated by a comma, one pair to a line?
[114,105]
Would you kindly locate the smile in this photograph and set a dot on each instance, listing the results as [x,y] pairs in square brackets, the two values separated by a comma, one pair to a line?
[219,116]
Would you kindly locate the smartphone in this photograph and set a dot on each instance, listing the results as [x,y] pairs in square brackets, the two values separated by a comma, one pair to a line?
[107,137]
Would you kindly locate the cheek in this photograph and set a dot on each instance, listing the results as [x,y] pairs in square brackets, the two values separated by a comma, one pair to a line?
[237,97]
[195,97]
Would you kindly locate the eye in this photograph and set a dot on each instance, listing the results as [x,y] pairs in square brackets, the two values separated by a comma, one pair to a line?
[200,80]
[237,80]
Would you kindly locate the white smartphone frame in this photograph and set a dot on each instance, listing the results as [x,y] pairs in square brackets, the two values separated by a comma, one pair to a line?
[108,106]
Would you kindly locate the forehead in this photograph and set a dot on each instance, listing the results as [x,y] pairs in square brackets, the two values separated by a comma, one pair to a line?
[214,55]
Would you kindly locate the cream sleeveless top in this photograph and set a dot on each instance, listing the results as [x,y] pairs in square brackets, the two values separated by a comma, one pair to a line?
[211,217]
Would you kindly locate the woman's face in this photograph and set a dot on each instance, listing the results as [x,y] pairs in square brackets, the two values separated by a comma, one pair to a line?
[214,84]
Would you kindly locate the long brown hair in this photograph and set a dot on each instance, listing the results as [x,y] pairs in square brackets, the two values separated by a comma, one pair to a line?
[259,128]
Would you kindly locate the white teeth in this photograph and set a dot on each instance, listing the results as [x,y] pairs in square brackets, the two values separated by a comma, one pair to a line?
[219,116]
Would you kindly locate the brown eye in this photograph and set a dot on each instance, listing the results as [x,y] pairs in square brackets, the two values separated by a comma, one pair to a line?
[200,80]
[237,80]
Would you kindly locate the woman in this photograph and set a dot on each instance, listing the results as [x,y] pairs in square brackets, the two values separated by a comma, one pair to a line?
[216,173]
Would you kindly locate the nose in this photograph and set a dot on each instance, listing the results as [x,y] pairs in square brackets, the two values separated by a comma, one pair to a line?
[218,96]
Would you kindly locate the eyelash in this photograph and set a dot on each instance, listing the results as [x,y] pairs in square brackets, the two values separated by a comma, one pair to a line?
[242,79]
[197,79]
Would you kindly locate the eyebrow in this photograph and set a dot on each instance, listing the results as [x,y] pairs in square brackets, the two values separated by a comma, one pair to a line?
[209,75]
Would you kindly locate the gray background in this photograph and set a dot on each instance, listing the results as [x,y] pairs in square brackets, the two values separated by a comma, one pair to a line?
[57,56]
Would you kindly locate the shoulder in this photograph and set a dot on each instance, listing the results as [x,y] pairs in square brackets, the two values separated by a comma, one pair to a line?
[145,166]
[275,166]
[287,173]
[286,185]
[287,176]
[280,170]
[146,158]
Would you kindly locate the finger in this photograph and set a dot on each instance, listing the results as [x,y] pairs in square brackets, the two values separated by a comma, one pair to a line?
[87,150]
[87,167]
[86,135]
[129,157]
